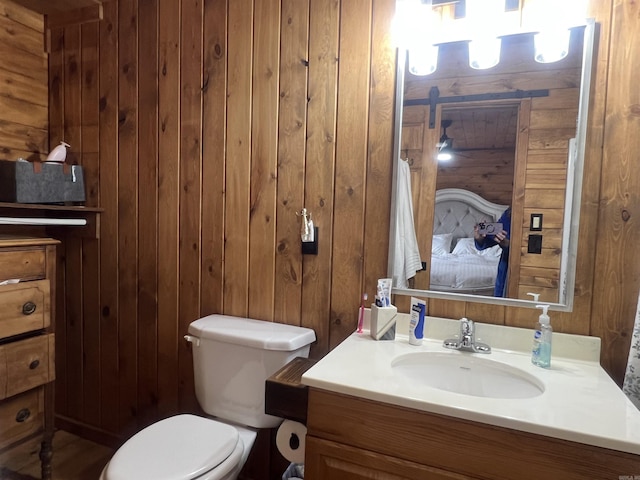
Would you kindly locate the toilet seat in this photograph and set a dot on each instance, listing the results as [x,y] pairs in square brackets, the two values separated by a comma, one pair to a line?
[184,447]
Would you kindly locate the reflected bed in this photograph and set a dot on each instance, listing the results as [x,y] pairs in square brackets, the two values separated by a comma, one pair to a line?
[456,265]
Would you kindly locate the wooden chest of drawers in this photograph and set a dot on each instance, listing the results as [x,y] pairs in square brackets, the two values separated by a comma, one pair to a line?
[27,353]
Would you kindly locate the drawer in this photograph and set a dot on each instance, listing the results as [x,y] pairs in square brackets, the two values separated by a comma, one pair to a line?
[24,307]
[21,416]
[28,363]
[25,264]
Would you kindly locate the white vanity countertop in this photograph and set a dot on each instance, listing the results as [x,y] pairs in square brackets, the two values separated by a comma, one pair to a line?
[580,402]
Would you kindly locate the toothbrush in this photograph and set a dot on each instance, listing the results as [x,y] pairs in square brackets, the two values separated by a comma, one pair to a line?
[361,319]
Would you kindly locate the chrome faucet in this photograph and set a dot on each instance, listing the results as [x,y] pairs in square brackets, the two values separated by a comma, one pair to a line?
[466,341]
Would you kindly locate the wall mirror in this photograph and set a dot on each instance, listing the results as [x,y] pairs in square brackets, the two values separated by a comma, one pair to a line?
[516,135]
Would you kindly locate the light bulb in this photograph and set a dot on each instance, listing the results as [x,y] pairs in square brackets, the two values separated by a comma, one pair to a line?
[423,59]
[552,45]
[484,52]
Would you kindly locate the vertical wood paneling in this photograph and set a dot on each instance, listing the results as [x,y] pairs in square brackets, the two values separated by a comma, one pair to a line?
[72,90]
[380,144]
[264,136]
[200,188]
[351,158]
[90,103]
[90,252]
[292,120]
[73,263]
[148,212]
[168,205]
[190,185]
[109,260]
[238,158]
[56,124]
[128,213]
[617,285]
[324,19]
[213,159]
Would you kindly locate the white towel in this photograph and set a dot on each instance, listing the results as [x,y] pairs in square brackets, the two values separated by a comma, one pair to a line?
[631,384]
[407,255]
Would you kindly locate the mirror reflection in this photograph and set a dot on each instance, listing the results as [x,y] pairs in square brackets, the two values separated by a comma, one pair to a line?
[514,135]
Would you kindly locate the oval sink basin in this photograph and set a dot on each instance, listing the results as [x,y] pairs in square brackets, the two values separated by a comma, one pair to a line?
[467,374]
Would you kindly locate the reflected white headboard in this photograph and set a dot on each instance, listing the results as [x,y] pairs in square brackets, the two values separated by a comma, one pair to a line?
[457,211]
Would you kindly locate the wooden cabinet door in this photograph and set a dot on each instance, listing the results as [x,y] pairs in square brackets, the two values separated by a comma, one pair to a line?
[330,460]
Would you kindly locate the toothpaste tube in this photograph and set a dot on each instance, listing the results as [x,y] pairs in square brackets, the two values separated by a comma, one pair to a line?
[384,292]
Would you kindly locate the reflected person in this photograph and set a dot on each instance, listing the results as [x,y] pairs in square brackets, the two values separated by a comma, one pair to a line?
[502,239]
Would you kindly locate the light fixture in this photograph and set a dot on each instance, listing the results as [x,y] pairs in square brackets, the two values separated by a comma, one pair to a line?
[416,32]
[551,45]
[423,60]
[485,44]
[484,52]
[445,145]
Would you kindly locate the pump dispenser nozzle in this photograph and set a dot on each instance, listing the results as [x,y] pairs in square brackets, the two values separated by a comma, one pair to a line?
[535,296]
[544,317]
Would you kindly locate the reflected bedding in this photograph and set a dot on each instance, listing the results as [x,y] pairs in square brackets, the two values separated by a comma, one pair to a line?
[465,269]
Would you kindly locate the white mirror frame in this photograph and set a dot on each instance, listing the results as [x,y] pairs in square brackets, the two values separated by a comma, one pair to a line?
[572,202]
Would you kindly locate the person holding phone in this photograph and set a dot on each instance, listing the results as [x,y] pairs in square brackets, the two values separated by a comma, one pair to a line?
[502,239]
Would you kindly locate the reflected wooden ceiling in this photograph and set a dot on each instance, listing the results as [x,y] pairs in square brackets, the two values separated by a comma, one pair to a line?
[482,127]
[48,7]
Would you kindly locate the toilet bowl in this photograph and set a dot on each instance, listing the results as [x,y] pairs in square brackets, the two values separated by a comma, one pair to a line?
[183,447]
[232,357]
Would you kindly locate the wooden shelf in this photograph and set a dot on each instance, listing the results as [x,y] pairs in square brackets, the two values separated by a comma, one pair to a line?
[28,210]
[285,395]
[59,208]
[47,7]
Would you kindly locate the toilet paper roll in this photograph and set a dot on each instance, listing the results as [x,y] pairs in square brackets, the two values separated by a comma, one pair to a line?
[290,440]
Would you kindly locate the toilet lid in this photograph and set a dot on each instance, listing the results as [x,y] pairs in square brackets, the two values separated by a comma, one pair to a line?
[184,447]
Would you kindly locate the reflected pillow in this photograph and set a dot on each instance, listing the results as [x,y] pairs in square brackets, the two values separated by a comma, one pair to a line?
[441,244]
[467,246]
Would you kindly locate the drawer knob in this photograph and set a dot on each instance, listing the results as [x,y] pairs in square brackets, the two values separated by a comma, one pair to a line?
[28,308]
[33,365]
[23,415]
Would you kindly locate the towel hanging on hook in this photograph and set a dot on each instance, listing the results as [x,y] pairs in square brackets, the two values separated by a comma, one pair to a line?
[408,160]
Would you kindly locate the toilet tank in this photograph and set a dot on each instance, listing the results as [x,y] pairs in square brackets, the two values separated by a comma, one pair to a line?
[232,359]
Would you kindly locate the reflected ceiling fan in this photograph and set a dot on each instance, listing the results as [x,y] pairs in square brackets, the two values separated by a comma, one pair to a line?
[445,145]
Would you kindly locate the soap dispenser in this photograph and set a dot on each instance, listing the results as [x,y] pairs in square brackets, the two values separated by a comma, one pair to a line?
[541,352]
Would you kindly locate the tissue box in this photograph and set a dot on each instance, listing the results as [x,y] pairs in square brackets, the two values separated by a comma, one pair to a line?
[35,182]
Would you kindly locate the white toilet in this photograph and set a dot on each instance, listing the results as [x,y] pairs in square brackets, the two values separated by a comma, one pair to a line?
[232,358]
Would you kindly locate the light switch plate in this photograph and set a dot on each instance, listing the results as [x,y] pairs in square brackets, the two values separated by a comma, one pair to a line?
[536,222]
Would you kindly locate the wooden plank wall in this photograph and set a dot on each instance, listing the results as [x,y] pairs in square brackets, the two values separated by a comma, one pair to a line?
[205,128]
[489,173]
[23,77]
[164,255]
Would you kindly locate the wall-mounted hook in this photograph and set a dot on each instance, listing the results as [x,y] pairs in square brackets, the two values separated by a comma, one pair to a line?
[308,233]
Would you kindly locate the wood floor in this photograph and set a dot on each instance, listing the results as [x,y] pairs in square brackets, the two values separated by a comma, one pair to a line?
[74,458]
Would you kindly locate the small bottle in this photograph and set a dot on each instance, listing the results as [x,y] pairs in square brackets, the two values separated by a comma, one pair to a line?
[416,321]
[541,352]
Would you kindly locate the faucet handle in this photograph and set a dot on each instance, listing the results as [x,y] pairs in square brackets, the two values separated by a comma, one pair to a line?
[466,326]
